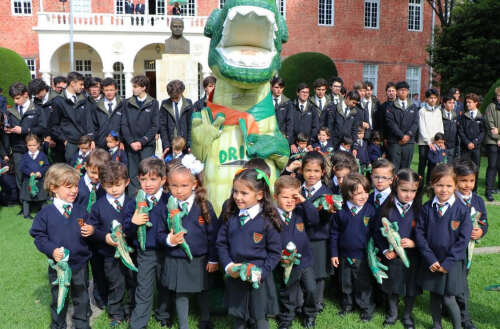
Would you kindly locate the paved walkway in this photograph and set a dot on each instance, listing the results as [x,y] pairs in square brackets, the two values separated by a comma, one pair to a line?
[487,250]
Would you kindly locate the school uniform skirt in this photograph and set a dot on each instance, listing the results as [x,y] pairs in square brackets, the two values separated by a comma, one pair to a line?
[25,194]
[184,276]
[402,281]
[449,284]
[245,302]
[321,267]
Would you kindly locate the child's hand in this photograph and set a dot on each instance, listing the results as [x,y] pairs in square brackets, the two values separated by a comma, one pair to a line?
[293,148]
[38,174]
[494,131]
[176,239]
[212,267]
[139,219]
[87,230]
[431,146]
[136,146]
[335,261]
[477,233]
[390,255]
[309,148]
[299,198]
[110,241]
[32,174]
[294,165]
[234,275]
[285,261]
[58,254]
[407,243]
[355,153]
[470,146]
[434,267]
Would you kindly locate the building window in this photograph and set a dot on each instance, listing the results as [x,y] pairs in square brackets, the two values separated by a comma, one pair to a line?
[189,9]
[370,73]
[149,65]
[325,12]
[415,15]
[160,7]
[81,6]
[222,3]
[84,66]
[281,4]
[119,77]
[413,79]
[119,6]
[32,66]
[21,7]
[371,14]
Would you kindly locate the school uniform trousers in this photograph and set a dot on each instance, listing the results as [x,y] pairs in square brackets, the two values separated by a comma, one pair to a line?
[471,130]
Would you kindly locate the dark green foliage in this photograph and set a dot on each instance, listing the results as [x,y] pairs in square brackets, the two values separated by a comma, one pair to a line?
[13,69]
[488,98]
[466,52]
[305,67]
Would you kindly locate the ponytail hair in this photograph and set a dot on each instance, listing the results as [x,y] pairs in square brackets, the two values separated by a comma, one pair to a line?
[404,175]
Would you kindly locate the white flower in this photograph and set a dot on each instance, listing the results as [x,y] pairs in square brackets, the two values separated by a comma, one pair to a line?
[189,161]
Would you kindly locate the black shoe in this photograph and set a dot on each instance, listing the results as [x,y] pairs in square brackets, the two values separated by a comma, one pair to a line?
[389,322]
[408,323]
[365,317]
[284,325]
[321,307]
[205,325]
[166,323]
[469,325]
[343,312]
[489,197]
[309,323]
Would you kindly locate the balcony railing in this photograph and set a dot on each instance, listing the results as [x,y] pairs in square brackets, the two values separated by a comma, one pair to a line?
[117,22]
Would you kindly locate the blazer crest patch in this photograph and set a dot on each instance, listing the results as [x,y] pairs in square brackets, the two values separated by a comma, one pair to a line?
[257,237]
[300,227]
[455,224]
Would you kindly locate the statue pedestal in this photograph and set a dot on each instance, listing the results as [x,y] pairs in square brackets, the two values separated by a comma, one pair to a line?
[177,67]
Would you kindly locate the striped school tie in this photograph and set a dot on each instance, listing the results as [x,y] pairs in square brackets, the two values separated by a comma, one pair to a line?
[287,217]
[468,202]
[243,218]
[354,211]
[308,192]
[404,208]
[67,210]
[378,198]
[118,205]
[440,208]
[154,200]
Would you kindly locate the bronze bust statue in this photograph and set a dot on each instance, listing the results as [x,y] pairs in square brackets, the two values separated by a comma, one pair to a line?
[177,44]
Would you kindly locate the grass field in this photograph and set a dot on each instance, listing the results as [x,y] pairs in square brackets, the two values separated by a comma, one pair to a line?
[24,289]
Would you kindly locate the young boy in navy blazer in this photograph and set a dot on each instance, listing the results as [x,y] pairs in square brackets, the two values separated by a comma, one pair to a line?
[114,180]
[296,212]
[23,119]
[55,228]
[360,149]
[382,177]
[375,150]
[108,112]
[139,126]
[113,143]
[402,124]
[349,236]
[152,176]
[175,116]
[80,158]
[343,118]
[324,145]
[71,117]
[450,125]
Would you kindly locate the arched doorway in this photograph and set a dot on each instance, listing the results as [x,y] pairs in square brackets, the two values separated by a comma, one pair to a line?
[87,60]
[145,63]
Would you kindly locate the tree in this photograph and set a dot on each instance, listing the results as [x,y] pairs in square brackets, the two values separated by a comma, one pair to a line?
[443,9]
[465,53]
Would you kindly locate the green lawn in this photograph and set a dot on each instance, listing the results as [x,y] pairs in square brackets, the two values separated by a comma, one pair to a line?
[25,290]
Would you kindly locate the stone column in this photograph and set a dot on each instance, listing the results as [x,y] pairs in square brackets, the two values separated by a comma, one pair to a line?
[128,84]
[46,78]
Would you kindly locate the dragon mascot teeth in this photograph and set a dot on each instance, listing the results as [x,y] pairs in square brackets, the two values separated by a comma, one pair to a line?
[122,250]
[239,122]
[174,222]
[63,279]
[391,232]
[143,208]
[293,257]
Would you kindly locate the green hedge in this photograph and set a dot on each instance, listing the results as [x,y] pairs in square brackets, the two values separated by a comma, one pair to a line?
[305,67]
[489,96]
[13,68]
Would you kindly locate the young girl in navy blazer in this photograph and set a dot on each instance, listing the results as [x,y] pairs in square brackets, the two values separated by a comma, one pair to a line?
[113,144]
[249,234]
[401,207]
[181,275]
[62,225]
[442,234]
[33,163]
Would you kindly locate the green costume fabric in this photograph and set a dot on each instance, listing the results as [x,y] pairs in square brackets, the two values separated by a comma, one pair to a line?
[141,204]
[63,279]
[391,232]
[122,249]
[174,222]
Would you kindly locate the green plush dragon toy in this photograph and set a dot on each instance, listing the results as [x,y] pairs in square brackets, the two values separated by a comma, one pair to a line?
[391,232]
[122,249]
[475,216]
[239,122]
[4,170]
[249,273]
[376,267]
[174,222]
[142,206]
[329,202]
[79,165]
[32,186]
[289,253]
[63,279]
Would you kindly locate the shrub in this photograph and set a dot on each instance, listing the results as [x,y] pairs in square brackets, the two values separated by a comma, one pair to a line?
[488,98]
[13,68]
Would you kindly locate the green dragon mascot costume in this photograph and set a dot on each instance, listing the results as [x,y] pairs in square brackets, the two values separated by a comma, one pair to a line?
[239,122]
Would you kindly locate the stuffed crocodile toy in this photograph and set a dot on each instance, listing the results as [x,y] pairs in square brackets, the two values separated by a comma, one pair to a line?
[249,273]
[289,253]
[3,170]
[376,267]
[391,232]
[63,279]
[493,287]
[364,169]
[475,216]
[239,122]
[174,222]
[79,165]
[141,204]
[329,202]
[122,250]
[32,186]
